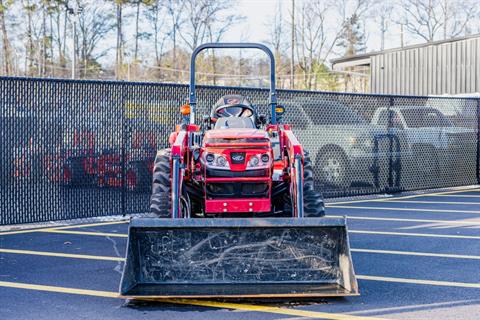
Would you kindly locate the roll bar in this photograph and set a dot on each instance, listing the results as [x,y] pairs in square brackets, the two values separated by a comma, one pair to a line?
[273,92]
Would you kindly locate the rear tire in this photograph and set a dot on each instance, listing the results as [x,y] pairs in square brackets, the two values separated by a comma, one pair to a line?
[73,173]
[160,201]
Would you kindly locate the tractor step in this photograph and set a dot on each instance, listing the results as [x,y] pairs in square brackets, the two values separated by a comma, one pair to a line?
[238,258]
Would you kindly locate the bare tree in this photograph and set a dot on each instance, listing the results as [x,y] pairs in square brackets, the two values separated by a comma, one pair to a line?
[432,19]
[382,14]
[175,10]
[138,5]
[202,15]
[216,29]
[457,17]
[277,38]
[154,16]
[95,23]
[314,42]
[120,43]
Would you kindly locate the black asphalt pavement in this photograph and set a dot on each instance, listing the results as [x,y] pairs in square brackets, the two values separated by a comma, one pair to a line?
[417,256]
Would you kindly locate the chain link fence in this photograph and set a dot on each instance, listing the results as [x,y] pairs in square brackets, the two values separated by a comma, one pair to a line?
[80,149]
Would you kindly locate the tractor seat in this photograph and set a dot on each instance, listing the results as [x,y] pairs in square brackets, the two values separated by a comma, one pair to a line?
[234,123]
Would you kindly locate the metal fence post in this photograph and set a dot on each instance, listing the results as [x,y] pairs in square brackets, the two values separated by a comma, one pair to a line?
[122,110]
[478,141]
[390,146]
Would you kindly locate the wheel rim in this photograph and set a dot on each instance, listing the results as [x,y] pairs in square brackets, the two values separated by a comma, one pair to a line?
[184,207]
[333,170]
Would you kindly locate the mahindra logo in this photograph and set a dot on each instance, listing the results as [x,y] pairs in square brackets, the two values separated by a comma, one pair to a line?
[238,157]
[233,101]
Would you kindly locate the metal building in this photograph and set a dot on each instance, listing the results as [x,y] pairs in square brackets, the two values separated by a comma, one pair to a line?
[434,68]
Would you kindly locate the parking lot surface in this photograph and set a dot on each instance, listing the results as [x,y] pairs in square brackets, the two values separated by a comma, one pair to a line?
[416,256]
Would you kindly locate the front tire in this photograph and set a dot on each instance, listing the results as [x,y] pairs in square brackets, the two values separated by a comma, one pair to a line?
[313,205]
[160,201]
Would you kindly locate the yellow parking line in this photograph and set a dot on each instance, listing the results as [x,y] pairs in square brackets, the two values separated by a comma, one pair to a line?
[418,281]
[62,255]
[3,233]
[421,254]
[86,233]
[463,223]
[62,227]
[106,223]
[214,304]
[275,310]
[410,234]
[434,202]
[387,199]
[38,287]
[407,209]
[456,195]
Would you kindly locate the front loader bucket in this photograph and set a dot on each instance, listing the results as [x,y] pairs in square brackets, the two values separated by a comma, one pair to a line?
[238,258]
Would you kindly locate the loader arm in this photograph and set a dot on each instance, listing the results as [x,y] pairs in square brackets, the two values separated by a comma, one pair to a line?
[179,148]
[295,159]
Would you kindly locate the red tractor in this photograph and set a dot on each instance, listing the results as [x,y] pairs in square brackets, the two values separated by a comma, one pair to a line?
[138,167]
[236,165]
[253,182]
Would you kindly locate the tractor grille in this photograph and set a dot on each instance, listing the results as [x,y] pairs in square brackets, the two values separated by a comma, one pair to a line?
[237,190]
[214,173]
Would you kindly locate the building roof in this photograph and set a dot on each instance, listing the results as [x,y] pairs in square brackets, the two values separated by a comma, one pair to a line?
[364,58]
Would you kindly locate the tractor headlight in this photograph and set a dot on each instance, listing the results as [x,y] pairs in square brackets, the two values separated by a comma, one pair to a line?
[221,161]
[216,161]
[254,161]
[210,158]
[258,161]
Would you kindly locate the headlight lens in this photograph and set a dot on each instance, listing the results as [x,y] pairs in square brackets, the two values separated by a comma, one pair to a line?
[210,157]
[221,161]
[254,161]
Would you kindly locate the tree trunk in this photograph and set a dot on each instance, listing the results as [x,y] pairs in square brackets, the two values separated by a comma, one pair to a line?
[119,56]
[52,66]
[155,38]
[292,53]
[174,46]
[64,52]
[30,48]
[6,42]
[137,18]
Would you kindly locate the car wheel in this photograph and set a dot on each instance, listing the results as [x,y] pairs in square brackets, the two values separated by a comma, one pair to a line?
[332,168]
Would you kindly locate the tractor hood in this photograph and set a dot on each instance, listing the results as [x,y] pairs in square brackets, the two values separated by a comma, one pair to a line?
[224,137]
